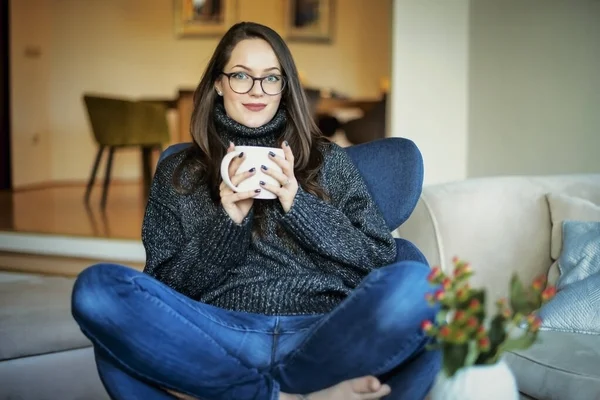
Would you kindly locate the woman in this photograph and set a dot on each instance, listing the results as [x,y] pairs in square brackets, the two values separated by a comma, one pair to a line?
[294,298]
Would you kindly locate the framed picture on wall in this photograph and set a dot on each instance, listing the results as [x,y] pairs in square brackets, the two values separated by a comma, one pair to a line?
[309,20]
[203,17]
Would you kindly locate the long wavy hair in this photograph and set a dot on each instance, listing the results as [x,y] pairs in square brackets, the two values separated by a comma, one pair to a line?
[203,159]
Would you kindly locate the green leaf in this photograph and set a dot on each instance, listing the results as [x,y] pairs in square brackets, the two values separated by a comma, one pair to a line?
[522,300]
[433,346]
[440,318]
[472,354]
[454,356]
[497,335]
[521,343]
[497,332]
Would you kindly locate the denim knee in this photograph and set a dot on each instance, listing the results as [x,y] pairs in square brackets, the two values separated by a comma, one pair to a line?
[402,304]
[93,292]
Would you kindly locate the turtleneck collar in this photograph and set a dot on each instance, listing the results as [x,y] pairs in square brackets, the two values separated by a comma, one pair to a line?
[232,131]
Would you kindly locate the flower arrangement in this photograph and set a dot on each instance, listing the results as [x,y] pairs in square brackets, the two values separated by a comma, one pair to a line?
[461,330]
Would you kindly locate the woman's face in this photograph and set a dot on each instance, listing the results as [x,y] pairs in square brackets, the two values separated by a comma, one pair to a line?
[251,58]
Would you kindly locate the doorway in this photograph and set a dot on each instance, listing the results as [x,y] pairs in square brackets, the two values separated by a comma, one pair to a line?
[5,161]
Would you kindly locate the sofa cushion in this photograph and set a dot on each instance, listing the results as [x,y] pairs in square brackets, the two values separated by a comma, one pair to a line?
[560,366]
[576,306]
[564,207]
[35,317]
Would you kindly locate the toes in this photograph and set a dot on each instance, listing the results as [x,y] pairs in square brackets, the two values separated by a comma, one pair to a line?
[384,390]
[366,384]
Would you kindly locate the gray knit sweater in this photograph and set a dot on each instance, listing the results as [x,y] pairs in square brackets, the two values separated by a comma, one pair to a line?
[194,247]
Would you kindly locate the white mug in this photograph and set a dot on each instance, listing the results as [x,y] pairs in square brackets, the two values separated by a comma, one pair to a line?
[256,157]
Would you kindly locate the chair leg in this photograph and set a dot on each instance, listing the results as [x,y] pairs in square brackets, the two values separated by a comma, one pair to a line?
[111,152]
[88,189]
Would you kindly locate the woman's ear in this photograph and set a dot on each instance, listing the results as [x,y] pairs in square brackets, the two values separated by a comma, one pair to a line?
[219,87]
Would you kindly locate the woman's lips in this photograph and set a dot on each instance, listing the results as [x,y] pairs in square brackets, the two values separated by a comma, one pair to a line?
[255,106]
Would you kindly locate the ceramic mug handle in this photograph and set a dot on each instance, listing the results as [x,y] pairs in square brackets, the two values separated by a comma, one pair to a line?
[225,169]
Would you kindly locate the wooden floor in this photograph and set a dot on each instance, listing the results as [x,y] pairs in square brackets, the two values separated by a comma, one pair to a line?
[62,211]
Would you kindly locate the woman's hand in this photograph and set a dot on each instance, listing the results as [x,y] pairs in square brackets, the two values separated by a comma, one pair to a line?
[237,205]
[289,185]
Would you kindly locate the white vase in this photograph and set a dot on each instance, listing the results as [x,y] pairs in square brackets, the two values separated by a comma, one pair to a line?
[479,382]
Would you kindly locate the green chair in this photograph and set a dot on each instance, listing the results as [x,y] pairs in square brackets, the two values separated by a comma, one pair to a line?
[120,123]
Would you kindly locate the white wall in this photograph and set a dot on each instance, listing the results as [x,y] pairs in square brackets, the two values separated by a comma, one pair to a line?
[534,87]
[429,103]
[128,48]
[498,87]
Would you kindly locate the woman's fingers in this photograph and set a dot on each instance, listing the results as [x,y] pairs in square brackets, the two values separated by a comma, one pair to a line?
[287,151]
[233,197]
[235,164]
[282,178]
[286,166]
[238,178]
[275,189]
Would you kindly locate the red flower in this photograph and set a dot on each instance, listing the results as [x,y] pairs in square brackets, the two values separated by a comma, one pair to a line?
[484,343]
[426,325]
[472,322]
[455,260]
[460,336]
[474,305]
[548,293]
[480,332]
[538,283]
[439,295]
[434,274]
[467,269]
[462,293]
[535,325]
[507,313]
[459,315]
[446,283]
[445,331]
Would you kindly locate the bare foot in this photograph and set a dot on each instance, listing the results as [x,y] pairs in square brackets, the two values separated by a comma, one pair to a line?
[365,388]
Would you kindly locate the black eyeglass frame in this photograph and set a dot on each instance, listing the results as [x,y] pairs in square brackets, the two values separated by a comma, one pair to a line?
[254,79]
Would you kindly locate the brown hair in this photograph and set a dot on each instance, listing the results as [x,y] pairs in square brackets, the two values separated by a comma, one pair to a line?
[301,132]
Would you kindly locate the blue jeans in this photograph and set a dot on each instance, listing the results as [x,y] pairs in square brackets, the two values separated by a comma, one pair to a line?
[147,336]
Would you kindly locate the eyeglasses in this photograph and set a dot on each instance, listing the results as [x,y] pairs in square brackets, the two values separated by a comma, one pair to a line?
[242,83]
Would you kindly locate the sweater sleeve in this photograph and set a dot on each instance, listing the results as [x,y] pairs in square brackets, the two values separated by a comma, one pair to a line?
[349,228]
[189,263]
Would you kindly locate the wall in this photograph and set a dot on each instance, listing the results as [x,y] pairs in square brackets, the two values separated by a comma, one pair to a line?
[497,87]
[31,138]
[534,87]
[429,103]
[127,47]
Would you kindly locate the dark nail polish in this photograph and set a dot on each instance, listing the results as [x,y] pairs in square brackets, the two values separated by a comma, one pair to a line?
[264,167]
[272,154]
[252,170]
[241,154]
[285,143]
[262,183]
[257,191]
